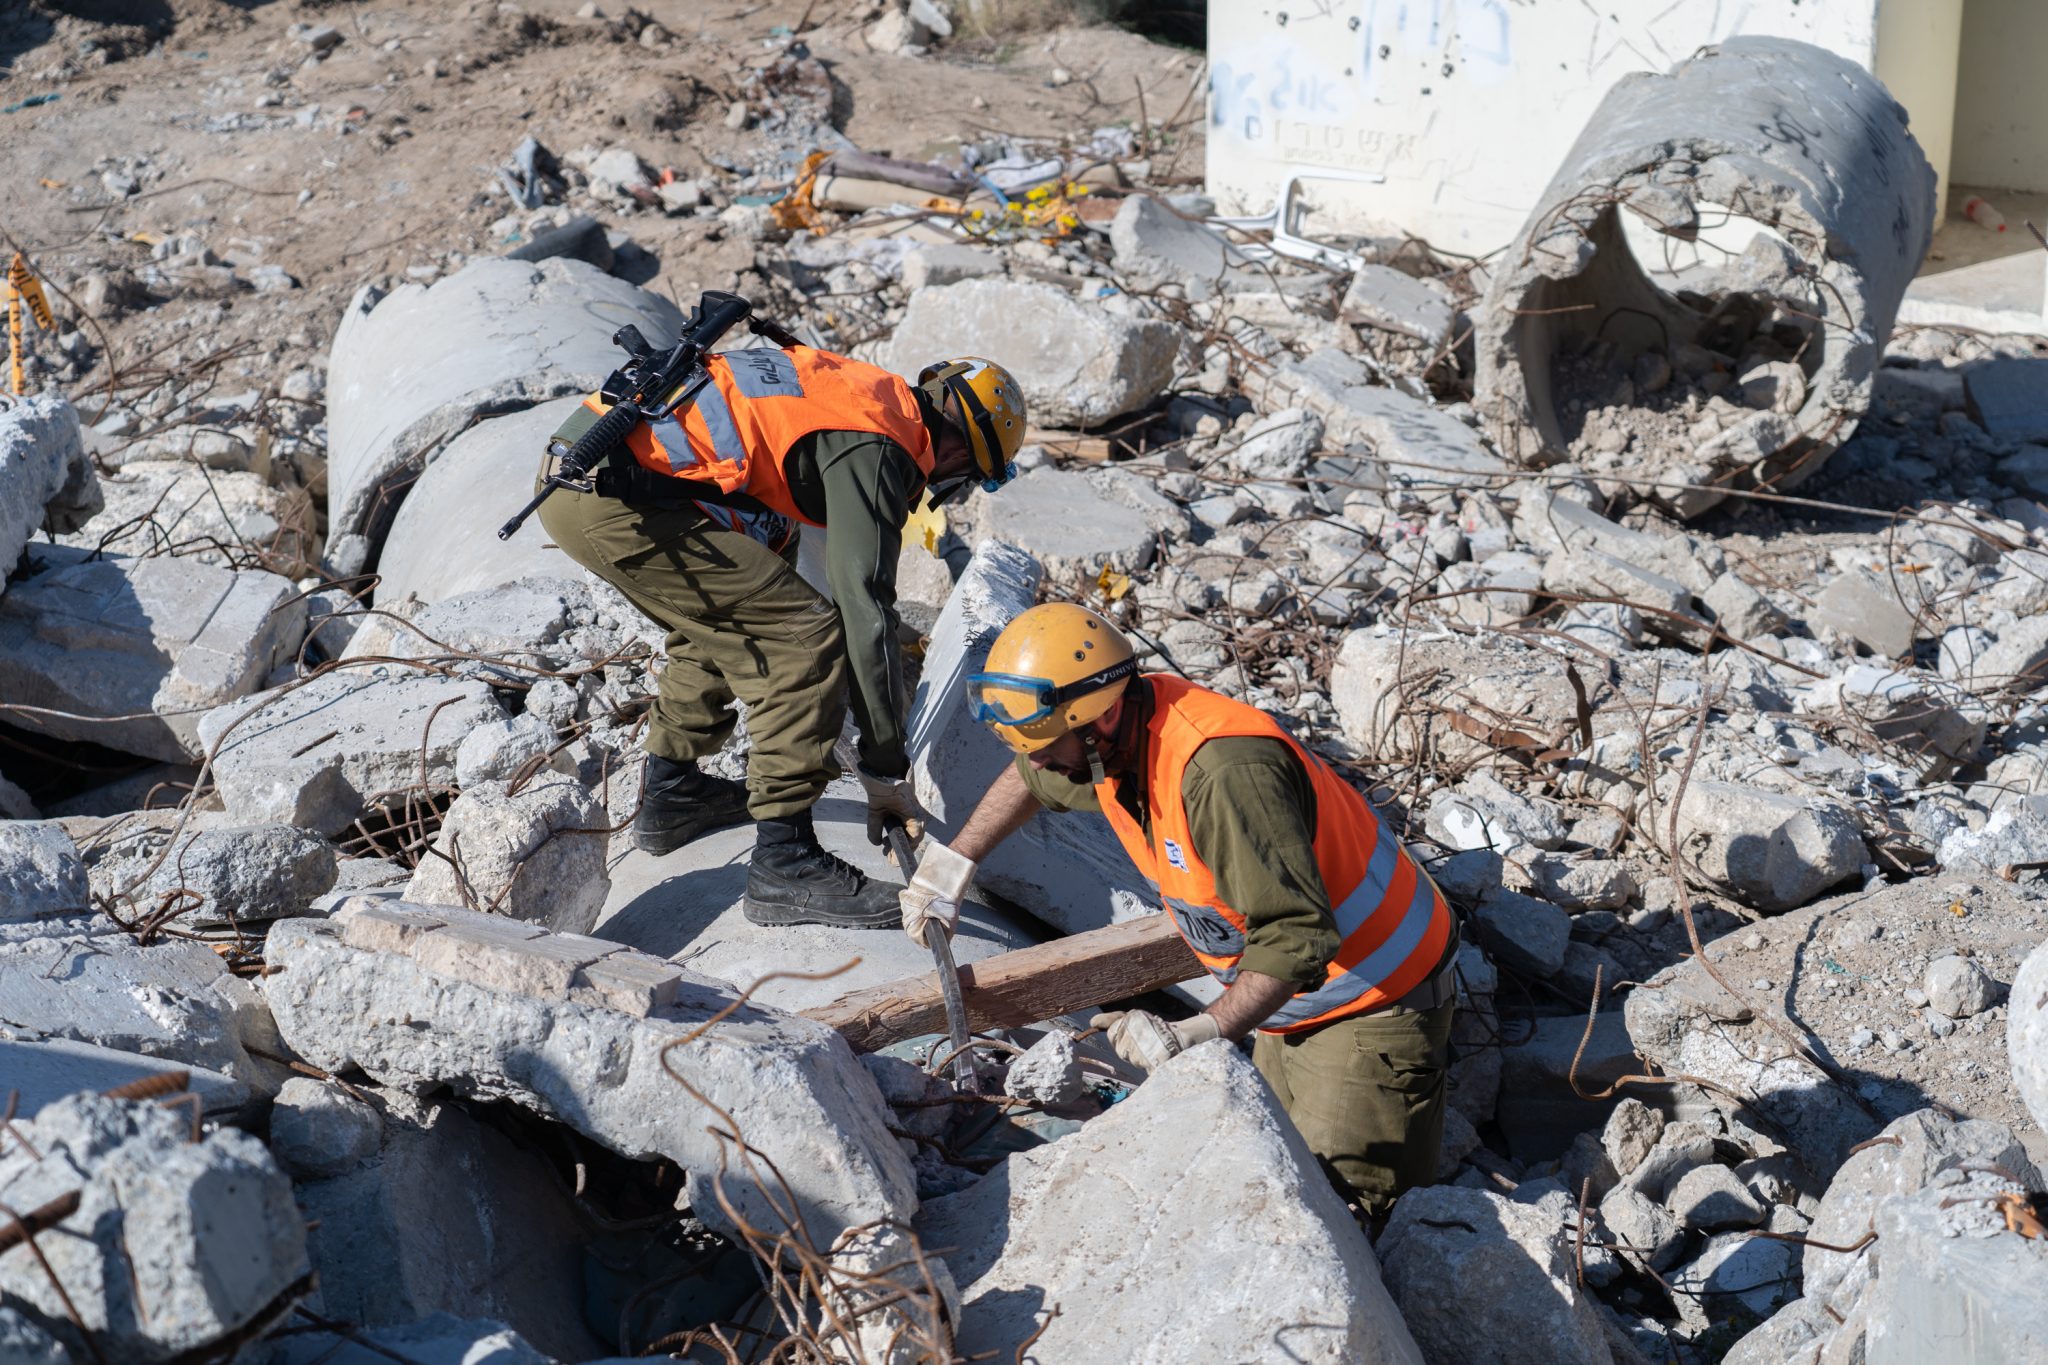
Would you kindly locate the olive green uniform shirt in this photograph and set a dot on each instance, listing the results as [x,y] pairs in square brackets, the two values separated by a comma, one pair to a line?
[861,486]
[1252,818]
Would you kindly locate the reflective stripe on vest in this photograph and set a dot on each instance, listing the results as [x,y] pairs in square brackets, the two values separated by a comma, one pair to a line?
[735,422]
[1391,924]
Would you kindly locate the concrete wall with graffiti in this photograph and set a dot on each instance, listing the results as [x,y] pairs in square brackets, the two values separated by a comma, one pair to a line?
[1464,106]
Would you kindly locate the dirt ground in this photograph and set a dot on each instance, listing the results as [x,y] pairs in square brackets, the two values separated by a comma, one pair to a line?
[376,161]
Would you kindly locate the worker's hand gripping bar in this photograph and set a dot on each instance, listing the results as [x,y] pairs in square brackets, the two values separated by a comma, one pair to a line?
[644,385]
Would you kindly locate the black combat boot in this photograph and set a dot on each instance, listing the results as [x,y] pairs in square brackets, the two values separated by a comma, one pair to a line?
[793,880]
[678,803]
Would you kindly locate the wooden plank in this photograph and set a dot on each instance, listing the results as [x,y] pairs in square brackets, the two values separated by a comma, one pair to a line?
[1021,987]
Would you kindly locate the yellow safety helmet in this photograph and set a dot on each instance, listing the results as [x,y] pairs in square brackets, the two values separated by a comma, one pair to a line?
[1053,669]
[991,410]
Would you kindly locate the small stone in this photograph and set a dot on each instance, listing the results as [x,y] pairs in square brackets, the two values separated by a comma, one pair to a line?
[1710,1198]
[1959,988]
[1861,1038]
[1632,1130]
[1060,76]
[1048,1073]
[736,115]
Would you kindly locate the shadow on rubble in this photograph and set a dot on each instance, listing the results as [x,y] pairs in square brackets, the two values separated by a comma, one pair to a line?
[670,917]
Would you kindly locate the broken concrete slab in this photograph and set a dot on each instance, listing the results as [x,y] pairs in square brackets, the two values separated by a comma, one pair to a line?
[1524,934]
[511,1027]
[1685,1023]
[216,517]
[534,621]
[321,753]
[1080,364]
[1768,850]
[175,1244]
[2005,398]
[1067,869]
[1414,441]
[535,854]
[1153,245]
[175,1000]
[40,1072]
[1853,209]
[1959,1282]
[243,874]
[41,874]
[1063,520]
[444,540]
[161,639]
[45,474]
[1905,1159]
[411,369]
[1234,1202]
[1539,1109]
[504,1241]
[1393,301]
[1481,1276]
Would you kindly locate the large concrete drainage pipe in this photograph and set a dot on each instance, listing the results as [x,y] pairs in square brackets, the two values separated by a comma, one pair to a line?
[1704,293]
[412,369]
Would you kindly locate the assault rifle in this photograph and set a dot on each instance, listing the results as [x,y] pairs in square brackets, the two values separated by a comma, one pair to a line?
[650,384]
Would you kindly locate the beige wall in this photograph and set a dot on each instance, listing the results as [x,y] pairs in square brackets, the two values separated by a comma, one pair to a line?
[1918,42]
[2001,124]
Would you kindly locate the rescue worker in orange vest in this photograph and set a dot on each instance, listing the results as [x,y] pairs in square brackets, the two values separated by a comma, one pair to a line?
[1331,942]
[696,523]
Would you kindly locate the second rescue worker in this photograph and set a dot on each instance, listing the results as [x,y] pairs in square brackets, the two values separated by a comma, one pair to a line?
[698,528]
[1334,945]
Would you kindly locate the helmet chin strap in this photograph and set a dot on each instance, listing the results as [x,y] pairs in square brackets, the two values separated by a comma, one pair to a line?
[1096,774]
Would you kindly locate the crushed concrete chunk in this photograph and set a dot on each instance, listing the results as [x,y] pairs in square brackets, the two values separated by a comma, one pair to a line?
[504,1242]
[2006,398]
[1383,297]
[175,1243]
[534,854]
[320,754]
[792,1086]
[250,873]
[162,639]
[317,1131]
[1480,1276]
[1079,363]
[44,474]
[41,875]
[1770,851]
[1233,1193]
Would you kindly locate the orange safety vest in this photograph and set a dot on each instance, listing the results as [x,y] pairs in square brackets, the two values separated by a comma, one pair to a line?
[734,424]
[1392,924]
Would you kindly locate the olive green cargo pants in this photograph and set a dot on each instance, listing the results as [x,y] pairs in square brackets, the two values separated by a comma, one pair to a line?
[740,623]
[1367,1095]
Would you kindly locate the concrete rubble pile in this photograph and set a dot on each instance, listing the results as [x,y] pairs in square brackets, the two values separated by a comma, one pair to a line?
[317,796]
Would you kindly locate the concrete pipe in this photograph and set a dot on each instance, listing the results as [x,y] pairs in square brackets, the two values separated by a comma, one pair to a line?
[1705,291]
[412,369]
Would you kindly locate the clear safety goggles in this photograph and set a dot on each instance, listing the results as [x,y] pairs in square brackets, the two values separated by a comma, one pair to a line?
[1014,699]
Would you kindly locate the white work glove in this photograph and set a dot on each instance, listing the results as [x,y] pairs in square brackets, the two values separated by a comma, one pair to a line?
[889,796]
[935,893]
[1148,1042]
